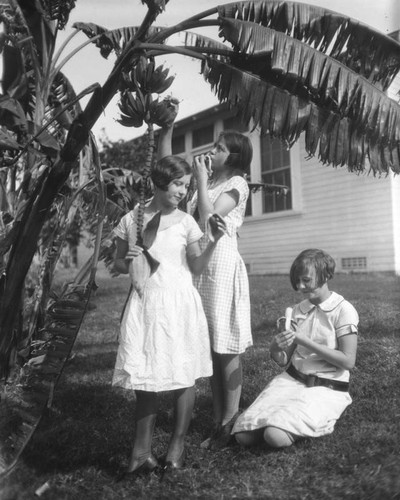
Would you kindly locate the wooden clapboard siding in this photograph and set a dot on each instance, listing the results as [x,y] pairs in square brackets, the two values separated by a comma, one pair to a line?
[395,195]
[348,215]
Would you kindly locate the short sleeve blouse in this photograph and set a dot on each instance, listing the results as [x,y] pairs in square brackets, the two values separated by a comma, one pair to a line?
[323,324]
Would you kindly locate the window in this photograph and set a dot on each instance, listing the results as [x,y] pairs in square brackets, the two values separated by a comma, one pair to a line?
[178,144]
[204,135]
[233,123]
[275,169]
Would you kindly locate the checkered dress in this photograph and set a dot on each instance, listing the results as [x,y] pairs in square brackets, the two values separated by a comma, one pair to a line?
[224,286]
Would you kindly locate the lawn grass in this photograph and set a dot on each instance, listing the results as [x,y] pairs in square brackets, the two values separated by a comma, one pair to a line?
[85,437]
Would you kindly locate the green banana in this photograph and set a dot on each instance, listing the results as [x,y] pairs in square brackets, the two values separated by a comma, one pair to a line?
[132,108]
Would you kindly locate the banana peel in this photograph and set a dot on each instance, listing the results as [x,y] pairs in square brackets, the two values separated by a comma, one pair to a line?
[140,270]
[144,265]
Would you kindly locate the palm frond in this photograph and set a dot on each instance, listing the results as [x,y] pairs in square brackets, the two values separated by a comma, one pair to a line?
[275,111]
[360,47]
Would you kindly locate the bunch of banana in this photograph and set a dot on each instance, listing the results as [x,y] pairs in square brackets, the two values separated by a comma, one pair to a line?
[163,113]
[147,77]
[133,109]
[157,79]
[137,86]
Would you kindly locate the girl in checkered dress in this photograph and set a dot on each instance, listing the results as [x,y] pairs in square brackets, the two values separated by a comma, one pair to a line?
[223,286]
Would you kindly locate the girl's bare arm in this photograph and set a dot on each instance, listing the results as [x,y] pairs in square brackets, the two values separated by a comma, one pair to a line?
[343,357]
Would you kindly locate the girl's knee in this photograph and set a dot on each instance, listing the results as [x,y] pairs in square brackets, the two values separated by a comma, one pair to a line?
[247,438]
[278,438]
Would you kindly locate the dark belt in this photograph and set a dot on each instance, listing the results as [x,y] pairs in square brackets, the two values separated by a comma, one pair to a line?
[314,381]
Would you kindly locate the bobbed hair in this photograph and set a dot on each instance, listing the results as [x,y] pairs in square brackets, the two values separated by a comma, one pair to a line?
[240,149]
[168,169]
[312,258]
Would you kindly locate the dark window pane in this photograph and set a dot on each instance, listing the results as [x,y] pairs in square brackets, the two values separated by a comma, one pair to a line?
[275,169]
[249,209]
[204,135]
[276,158]
[178,144]
[285,156]
[274,202]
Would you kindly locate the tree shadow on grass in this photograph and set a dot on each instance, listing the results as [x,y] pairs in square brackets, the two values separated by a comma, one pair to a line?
[91,423]
[88,425]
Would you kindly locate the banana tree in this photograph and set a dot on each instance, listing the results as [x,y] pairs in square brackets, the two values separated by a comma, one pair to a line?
[288,68]
[37,107]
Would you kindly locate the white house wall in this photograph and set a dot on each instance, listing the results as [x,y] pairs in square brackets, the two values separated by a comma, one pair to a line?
[396,221]
[348,215]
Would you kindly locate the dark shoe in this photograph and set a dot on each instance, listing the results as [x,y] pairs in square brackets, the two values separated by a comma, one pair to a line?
[224,437]
[149,465]
[214,434]
[173,465]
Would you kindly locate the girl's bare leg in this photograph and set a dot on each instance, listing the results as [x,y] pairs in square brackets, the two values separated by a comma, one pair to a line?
[272,436]
[250,438]
[231,368]
[217,389]
[183,406]
[226,386]
[278,438]
[145,418]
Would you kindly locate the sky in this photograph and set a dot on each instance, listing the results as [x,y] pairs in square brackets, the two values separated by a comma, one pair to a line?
[88,66]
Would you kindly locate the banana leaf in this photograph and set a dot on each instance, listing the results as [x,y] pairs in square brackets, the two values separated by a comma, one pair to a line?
[270,54]
[111,40]
[58,10]
[24,403]
[286,116]
[360,47]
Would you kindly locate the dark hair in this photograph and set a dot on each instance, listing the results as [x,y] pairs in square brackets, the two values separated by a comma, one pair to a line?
[167,169]
[240,149]
[314,258]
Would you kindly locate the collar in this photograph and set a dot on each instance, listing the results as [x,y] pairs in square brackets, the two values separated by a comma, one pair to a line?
[327,305]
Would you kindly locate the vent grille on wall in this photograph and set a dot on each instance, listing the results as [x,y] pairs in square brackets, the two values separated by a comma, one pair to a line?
[354,263]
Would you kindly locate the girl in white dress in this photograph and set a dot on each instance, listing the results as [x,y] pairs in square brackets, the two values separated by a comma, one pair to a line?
[223,286]
[164,341]
[318,347]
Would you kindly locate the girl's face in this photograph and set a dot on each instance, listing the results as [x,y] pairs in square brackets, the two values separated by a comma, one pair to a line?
[219,154]
[308,286]
[177,190]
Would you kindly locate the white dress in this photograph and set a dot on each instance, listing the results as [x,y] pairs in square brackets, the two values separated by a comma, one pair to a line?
[287,403]
[224,286]
[164,342]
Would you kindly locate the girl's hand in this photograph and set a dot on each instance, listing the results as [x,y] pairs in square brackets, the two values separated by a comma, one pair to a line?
[133,252]
[285,339]
[217,226]
[300,338]
[172,105]
[200,169]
